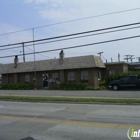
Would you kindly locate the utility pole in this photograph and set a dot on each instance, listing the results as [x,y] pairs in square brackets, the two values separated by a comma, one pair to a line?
[23,52]
[118,57]
[127,57]
[131,58]
[100,54]
[138,59]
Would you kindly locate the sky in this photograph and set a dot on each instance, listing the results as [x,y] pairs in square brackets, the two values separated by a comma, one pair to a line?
[16,15]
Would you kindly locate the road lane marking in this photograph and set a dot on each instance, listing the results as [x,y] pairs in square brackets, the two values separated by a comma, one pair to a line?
[66,122]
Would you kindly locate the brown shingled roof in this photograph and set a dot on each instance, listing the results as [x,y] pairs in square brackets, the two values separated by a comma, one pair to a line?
[54,64]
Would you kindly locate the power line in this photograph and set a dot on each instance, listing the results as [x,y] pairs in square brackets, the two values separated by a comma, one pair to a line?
[10,48]
[97,30]
[79,46]
[84,36]
[44,55]
[128,10]
[74,37]
[38,54]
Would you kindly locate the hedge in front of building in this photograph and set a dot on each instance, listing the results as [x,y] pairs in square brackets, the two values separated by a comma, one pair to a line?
[19,86]
[73,86]
[77,86]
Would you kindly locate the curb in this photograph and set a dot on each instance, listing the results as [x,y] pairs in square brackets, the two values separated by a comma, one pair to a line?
[103,101]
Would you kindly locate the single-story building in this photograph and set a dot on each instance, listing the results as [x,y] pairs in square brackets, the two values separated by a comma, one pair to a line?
[113,67]
[47,73]
[122,66]
[134,66]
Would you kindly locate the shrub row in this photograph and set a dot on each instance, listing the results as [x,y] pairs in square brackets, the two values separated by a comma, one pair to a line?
[73,85]
[19,86]
[77,86]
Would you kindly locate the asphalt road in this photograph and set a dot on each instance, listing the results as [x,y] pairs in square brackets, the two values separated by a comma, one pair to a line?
[50,121]
[83,93]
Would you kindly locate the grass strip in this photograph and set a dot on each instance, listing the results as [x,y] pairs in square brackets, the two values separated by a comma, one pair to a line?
[67,99]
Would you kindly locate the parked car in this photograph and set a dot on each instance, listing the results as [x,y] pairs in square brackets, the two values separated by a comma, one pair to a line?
[0,82]
[126,81]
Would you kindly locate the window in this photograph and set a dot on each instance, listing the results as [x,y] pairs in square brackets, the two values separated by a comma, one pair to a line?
[125,78]
[45,77]
[84,75]
[111,71]
[133,78]
[71,76]
[27,78]
[99,75]
[55,76]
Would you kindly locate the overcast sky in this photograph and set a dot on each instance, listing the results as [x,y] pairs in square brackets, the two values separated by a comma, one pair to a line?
[23,14]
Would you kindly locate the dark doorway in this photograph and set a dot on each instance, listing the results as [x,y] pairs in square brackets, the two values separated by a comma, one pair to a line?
[45,79]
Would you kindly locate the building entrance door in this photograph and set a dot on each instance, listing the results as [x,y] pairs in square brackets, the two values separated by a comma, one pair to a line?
[45,79]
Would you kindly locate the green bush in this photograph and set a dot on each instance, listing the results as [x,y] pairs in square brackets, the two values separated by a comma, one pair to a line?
[19,86]
[80,86]
[102,88]
[103,83]
[73,86]
[90,88]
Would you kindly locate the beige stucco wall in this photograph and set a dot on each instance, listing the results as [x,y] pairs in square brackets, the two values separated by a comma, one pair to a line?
[125,68]
[92,75]
[11,78]
[62,76]
[5,79]
[117,67]
[15,78]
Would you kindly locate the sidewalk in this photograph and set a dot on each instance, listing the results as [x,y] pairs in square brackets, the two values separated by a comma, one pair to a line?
[68,93]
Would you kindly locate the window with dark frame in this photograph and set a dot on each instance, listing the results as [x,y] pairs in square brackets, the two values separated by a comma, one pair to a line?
[27,78]
[55,76]
[71,76]
[84,75]
[99,75]
[111,71]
